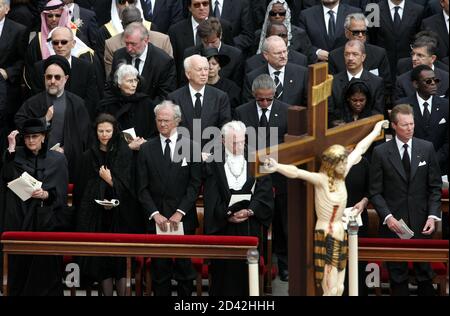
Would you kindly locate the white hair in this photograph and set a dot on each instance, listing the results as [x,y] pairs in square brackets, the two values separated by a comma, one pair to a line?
[169,104]
[188,61]
[356,17]
[235,126]
[123,71]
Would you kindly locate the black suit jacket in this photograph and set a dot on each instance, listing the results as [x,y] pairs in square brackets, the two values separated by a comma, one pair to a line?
[396,42]
[158,72]
[313,22]
[182,37]
[405,65]
[82,82]
[390,192]
[336,101]
[258,60]
[436,24]
[232,71]
[166,189]
[89,25]
[237,13]
[437,129]
[376,59]
[404,86]
[165,14]
[215,108]
[295,84]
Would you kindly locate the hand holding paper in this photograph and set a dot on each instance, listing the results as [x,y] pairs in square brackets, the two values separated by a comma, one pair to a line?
[24,186]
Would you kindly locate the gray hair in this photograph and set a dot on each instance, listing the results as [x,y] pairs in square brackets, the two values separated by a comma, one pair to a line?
[269,41]
[132,27]
[235,126]
[169,104]
[263,81]
[123,71]
[188,61]
[5,2]
[360,45]
[356,17]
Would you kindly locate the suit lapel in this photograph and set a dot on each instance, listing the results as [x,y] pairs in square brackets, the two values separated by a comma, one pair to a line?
[395,159]
[417,115]
[416,156]
[253,115]
[340,21]
[385,15]
[188,109]
[157,152]
[207,104]
[5,37]
[320,21]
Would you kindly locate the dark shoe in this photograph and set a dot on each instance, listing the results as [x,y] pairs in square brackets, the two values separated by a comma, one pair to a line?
[284,275]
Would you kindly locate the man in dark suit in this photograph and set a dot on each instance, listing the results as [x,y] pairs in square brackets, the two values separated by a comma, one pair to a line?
[406,185]
[163,13]
[423,53]
[13,43]
[431,121]
[439,24]
[84,82]
[294,57]
[354,55]
[266,111]
[199,102]
[184,33]
[210,34]
[399,22]
[325,25]
[168,185]
[154,65]
[376,60]
[291,79]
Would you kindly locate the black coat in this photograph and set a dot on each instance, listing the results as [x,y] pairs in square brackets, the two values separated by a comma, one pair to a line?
[231,89]
[295,84]
[165,14]
[166,189]
[237,13]
[437,24]
[35,275]
[404,86]
[76,125]
[258,60]
[158,72]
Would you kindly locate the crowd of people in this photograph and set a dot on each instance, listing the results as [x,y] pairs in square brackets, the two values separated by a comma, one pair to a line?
[186,80]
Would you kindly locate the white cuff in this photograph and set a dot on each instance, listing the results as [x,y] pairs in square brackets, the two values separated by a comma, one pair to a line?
[153,214]
[317,52]
[180,211]
[385,219]
[437,219]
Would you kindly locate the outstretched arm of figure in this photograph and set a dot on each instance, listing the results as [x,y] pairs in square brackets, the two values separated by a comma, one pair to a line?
[365,143]
[290,171]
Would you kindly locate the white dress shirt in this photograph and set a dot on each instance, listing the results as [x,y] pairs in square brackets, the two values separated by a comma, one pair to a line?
[392,9]
[357,76]
[2,23]
[235,170]
[260,112]
[327,16]
[280,76]
[422,101]
[446,19]
[142,57]
[193,92]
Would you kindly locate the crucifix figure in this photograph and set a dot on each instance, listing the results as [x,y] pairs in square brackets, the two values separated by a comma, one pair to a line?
[307,138]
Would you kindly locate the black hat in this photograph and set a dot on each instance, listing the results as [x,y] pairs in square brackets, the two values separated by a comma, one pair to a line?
[213,52]
[58,60]
[34,126]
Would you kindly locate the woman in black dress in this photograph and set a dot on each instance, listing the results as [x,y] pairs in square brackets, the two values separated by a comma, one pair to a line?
[106,173]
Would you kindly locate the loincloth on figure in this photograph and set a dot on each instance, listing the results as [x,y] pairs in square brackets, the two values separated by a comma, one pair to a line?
[328,250]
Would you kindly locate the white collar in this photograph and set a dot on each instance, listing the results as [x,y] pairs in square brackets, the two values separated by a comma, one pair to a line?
[143,56]
[195,24]
[70,61]
[358,75]
[400,143]
[193,91]
[173,138]
[392,5]
[269,108]
[421,101]
[445,16]
[2,22]
[272,70]
[335,10]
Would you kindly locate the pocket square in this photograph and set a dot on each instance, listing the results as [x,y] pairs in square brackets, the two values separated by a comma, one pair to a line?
[184,162]
[422,163]
[442,121]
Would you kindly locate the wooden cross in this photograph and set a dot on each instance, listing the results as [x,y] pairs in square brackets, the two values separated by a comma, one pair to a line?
[307,138]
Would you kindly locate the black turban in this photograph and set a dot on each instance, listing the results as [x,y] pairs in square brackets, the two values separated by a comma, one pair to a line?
[60,61]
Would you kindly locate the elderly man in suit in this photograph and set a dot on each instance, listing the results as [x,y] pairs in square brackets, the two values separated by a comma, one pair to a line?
[153,64]
[430,112]
[168,185]
[354,55]
[199,102]
[266,111]
[129,15]
[406,185]
[324,24]
[291,80]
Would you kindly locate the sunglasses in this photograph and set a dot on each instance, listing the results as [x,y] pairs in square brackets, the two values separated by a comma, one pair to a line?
[62,42]
[264,99]
[357,32]
[272,13]
[198,4]
[50,77]
[51,15]
[431,80]
[122,2]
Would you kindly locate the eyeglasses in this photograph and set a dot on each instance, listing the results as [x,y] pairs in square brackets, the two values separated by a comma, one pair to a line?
[264,99]
[283,35]
[50,77]
[51,15]
[62,42]
[357,32]
[198,4]
[122,2]
[431,80]
[31,136]
[273,13]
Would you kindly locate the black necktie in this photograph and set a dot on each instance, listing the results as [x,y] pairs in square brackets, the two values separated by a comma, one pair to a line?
[426,114]
[217,10]
[197,38]
[331,25]
[148,10]
[198,106]
[279,85]
[263,120]
[397,19]
[406,161]
[167,157]
[137,61]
